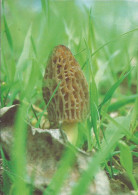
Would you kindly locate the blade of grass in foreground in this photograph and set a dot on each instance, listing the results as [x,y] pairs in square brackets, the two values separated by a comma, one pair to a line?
[18,153]
[20,134]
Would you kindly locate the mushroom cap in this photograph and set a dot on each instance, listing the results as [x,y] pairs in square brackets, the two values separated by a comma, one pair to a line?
[70,103]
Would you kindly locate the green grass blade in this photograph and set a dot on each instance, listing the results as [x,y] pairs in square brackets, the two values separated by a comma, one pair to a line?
[126,132]
[126,161]
[43,4]
[126,157]
[109,42]
[113,40]
[34,46]
[38,122]
[111,91]
[135,110]
[24,57]
[45,8]
[93,109]
[19,154]
[94,165]
[8,34]
[120,103]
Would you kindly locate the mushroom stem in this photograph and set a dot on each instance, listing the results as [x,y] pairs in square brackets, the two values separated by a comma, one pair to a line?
[71,129]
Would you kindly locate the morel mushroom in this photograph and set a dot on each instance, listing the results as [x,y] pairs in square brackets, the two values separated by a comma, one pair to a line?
[70,103]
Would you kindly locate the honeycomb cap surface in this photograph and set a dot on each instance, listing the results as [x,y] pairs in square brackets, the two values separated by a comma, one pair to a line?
[71,100]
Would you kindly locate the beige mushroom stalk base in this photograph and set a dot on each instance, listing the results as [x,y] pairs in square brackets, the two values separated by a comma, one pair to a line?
[71,129]
[70,103]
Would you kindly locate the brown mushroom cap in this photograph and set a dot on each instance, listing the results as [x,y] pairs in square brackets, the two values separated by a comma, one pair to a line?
[71,101]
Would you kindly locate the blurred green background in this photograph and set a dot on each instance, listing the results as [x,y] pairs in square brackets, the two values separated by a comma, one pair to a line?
[77,24]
